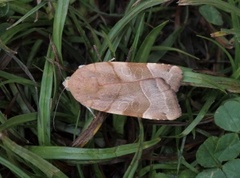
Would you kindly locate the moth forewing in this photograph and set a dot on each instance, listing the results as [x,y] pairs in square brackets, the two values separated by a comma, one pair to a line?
[133,89]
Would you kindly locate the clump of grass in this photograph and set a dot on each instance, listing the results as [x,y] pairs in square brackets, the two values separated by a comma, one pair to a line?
[44,43]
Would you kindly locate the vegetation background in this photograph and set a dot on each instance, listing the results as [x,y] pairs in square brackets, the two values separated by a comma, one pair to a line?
[43,42]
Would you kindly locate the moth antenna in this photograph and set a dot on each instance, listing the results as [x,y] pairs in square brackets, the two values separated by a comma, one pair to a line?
[91,111]
[113,59]
[55,112]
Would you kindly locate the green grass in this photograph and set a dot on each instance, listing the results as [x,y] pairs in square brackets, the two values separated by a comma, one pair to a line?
[41,44]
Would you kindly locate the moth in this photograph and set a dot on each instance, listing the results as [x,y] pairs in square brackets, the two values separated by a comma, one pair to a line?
[144,90]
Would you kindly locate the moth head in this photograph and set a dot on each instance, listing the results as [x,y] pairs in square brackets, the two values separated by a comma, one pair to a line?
[65,83]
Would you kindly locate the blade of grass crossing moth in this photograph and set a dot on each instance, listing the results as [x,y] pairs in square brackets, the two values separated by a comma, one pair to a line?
[134,12]
[48,169]
[45,102]
[206,81]
[130,172]
[209,81]
[145,48]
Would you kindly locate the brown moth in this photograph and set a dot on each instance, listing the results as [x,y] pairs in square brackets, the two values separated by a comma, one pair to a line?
[145,90]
